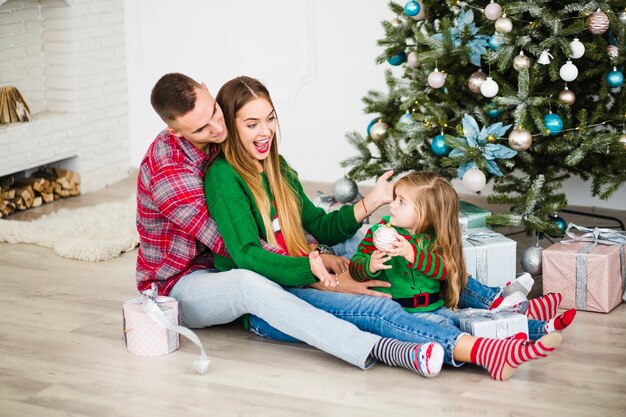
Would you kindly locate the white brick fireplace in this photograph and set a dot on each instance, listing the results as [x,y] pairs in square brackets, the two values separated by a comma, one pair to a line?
[67,59]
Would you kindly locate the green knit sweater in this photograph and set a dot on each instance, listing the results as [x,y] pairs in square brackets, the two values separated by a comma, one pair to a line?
[239,221]
[407,279]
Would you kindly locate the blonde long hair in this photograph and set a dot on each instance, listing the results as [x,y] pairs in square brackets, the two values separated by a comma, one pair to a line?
[438,210]
[233,95]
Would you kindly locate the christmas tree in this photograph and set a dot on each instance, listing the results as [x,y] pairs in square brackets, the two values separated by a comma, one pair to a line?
[524,93]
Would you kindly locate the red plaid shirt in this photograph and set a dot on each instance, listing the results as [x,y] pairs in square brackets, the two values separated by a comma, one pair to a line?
[176,234]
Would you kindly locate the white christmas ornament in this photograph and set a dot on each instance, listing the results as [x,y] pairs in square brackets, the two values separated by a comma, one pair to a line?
[384,237]
[493,11]
[568,72]
[578,48]
[489,88]
[436,79]
[504,25]
[474,180]
[544,58]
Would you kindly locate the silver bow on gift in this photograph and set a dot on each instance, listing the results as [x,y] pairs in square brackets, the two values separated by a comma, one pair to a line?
[596,236]
[476,239]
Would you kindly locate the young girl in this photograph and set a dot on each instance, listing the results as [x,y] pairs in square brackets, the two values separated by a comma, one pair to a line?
[252,192]
[424,215]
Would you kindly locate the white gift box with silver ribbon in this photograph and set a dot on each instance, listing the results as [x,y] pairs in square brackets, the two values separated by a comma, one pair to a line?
[489,256]
[495,325]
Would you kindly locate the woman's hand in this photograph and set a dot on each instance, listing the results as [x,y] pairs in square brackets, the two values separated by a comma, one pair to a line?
[319,270]
[348,285]
[377,261]
[335,264]
[382,193]
[402,247]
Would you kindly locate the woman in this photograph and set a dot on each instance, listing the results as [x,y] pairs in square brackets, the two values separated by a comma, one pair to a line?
[252,193]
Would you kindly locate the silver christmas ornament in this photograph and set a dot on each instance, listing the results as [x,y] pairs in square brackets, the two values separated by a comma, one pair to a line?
[598,22]
[622,17]
[475,81]
[521,62]
[622,139]
[504,25]
[345,190]
[493,11]
[520,139]
[531,260]
[378,131]
[411,60]
[567,96]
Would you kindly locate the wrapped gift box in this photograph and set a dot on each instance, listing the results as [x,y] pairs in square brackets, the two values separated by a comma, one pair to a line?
[489,256]
[495,325]
[471,216]
[588,275]
[143,335]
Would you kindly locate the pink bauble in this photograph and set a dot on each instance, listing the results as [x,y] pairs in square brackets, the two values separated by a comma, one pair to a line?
[493,11]
[436,79]
[598,23]
[411,60]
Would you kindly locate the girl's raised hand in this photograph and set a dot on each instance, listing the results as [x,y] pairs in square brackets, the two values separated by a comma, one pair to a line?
[319,270]
[402,247]
[377,261]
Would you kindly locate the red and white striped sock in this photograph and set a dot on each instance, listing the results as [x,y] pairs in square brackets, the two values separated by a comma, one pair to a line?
[544,307]
[561,321]
[502,357]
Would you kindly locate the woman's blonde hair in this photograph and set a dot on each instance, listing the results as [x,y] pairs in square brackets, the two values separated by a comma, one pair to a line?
[233,95]
[437,205]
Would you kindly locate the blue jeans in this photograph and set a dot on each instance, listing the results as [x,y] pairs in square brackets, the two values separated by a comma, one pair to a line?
[380,316]
[446,317]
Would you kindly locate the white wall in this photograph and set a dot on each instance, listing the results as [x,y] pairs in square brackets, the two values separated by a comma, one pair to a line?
[315,56]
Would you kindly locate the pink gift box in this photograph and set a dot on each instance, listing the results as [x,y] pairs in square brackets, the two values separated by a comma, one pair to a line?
[588,281]
[144,336]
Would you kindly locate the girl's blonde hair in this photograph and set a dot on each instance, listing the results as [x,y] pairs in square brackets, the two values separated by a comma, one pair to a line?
[235,94]
[437,205]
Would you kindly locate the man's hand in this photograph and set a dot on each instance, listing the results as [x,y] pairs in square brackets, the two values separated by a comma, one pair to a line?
[335,264]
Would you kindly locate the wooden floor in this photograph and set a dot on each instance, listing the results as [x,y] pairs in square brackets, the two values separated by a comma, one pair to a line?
[61,354]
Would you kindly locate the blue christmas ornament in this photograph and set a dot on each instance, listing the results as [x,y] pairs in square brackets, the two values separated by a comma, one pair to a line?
[372,123]
[493,111]
[553,123]
[495,41]
[412,8]
[614,78]
[439,146]
[397,59]
[561,224]
[407,118]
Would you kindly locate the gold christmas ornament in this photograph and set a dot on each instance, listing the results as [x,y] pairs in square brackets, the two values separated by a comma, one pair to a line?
[598,22]
[13,107]
[504,25]
[567,96]
[521,62]
[378,131]
[520,139]
[475,81]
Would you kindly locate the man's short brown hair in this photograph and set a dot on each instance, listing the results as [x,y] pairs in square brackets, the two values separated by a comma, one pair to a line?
[174,95]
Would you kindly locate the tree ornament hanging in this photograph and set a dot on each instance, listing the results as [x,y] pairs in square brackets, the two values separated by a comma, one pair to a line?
[378,131]
[578,48]
[395,22]
[493,111]
[476,80]
[504,24]
[422,14]
[622,17]
[567,96]
[495,41]
[531,260]
[407,118]
[622,139]
[612,51]
[568,71]
[553,123]
[521,61]
[439,146]
[614,79]
[474,180]
[598,22]
[520,139]
[544,58]
[493,11]
[561,224]
[397,59]
[371,123]
[412,8]
[411,60]
[489,88]
[345,190]
[436,79]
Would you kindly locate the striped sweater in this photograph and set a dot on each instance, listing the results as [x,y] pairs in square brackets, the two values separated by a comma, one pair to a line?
[423,275]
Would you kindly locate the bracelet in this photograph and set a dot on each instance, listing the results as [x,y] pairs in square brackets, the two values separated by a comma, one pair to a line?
[336,282]
[364,208]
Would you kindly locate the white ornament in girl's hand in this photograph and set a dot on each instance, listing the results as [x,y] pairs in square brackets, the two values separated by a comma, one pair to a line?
[384,237]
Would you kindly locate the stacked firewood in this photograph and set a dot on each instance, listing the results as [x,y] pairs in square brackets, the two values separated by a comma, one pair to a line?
[44,186]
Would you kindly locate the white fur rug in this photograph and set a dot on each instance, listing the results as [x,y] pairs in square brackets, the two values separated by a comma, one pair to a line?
[95,233]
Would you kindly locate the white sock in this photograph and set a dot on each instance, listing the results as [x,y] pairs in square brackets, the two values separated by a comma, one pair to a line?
[523,284]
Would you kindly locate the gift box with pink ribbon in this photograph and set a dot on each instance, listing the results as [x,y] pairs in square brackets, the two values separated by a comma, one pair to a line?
[588,268]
